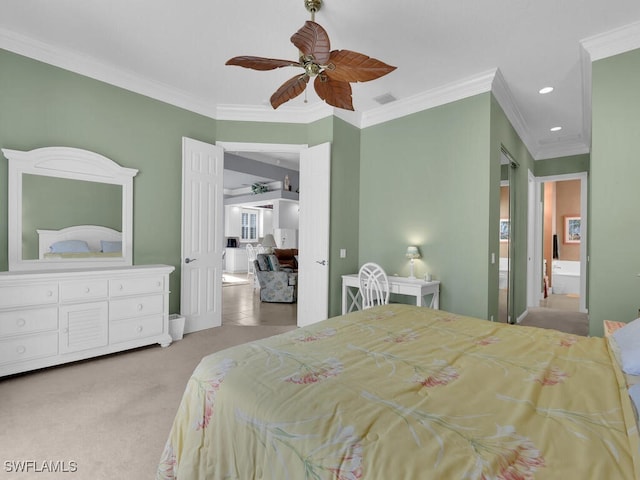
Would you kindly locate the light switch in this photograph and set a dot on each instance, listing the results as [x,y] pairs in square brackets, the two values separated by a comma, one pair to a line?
[343,253]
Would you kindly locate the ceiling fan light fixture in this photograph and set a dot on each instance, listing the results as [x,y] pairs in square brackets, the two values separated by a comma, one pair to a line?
[333,70]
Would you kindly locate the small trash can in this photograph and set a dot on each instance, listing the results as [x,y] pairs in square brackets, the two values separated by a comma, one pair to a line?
[176,326]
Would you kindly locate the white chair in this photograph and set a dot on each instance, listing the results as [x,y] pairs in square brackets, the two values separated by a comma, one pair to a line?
[260,248]
[251,256]
[374,285]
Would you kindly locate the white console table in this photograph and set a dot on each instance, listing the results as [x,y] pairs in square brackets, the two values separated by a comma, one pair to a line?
[399,285]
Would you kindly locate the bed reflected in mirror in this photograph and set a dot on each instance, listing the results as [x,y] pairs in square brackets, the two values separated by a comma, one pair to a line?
[54,204]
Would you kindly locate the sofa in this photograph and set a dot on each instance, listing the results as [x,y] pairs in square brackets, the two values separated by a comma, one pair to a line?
[287,258]
[276,285]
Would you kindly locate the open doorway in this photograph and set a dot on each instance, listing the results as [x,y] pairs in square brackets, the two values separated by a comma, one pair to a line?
[559,277]
[312,278]
[260,199]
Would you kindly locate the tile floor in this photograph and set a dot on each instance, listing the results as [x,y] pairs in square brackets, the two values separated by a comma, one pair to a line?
[569,303]
[241,305]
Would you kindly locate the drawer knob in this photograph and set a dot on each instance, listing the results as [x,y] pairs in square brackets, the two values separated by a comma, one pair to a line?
[139,329]
[49,293]
[21,349]
[87,290]
[140,307]
[121,287]
[21,322]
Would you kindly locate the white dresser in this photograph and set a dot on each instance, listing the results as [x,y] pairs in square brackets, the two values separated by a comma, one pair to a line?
[53,317]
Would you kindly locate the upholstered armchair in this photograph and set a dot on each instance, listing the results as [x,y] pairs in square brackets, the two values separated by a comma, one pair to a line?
[276,285]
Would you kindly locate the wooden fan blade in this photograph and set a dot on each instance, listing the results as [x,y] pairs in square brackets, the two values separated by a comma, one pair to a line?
[355,67]
[334,92]
[313,40]
[260,63]
[289,89]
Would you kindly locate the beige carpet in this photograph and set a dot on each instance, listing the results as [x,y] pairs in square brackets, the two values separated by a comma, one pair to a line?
[563,320]
[110,415]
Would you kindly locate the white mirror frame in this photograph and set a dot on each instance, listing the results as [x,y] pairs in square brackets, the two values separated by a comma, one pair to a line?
[71,163]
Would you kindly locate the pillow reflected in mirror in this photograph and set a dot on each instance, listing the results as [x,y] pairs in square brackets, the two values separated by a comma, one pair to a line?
[70,246]
[110,246]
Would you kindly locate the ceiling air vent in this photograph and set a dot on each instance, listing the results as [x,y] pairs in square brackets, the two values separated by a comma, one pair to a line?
[385,98]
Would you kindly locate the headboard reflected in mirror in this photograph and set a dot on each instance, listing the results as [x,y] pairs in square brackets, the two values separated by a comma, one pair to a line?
[56,193]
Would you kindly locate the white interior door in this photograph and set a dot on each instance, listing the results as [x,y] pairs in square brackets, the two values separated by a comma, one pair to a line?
[202,234]
[313,264]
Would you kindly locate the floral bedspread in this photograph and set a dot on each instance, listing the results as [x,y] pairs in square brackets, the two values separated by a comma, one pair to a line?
[403,392]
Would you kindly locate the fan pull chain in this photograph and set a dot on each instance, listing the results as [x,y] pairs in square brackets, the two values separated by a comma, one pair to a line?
[305,95]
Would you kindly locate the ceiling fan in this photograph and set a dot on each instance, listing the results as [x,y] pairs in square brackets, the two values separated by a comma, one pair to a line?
[333,70]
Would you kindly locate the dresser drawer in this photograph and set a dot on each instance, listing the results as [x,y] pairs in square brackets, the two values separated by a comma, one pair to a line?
[27,347]
[28,295]
[136,306]
[83,290]
[134,328]
[136,286]
[28,321]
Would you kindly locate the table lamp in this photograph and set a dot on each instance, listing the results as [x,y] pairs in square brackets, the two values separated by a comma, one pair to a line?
[268,242]
[412,253]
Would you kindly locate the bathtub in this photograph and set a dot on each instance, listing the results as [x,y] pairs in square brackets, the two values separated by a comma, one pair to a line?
[565,277]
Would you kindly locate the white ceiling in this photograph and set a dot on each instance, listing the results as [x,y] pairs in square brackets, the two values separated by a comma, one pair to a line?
[175,50]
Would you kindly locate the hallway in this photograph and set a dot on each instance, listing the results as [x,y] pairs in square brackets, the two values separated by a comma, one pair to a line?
[559,312]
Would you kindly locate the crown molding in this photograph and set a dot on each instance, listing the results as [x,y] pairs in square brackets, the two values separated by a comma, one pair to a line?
[613,42]
[467,87]
[285,114]
[103,72]
[504,97]
[565,148]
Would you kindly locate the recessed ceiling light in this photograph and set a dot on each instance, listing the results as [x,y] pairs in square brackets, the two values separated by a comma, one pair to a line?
[544,90]
[555,129]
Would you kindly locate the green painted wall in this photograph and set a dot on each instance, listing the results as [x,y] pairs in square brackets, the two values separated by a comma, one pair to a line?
[425,181]
[345,193]
[614,291]
[42,105]
[562,165]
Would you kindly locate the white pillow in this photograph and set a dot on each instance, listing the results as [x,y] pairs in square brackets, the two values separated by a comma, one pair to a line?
[628,340]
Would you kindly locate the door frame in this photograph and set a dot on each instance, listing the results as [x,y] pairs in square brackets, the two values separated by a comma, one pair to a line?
[263,147]
[537,221]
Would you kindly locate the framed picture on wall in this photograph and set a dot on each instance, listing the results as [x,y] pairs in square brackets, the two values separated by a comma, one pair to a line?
[504,229]
[572,229]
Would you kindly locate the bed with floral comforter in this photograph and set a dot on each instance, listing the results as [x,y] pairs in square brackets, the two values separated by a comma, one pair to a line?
[404,392]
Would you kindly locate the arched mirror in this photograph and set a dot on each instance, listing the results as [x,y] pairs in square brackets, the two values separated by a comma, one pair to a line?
[68,208]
